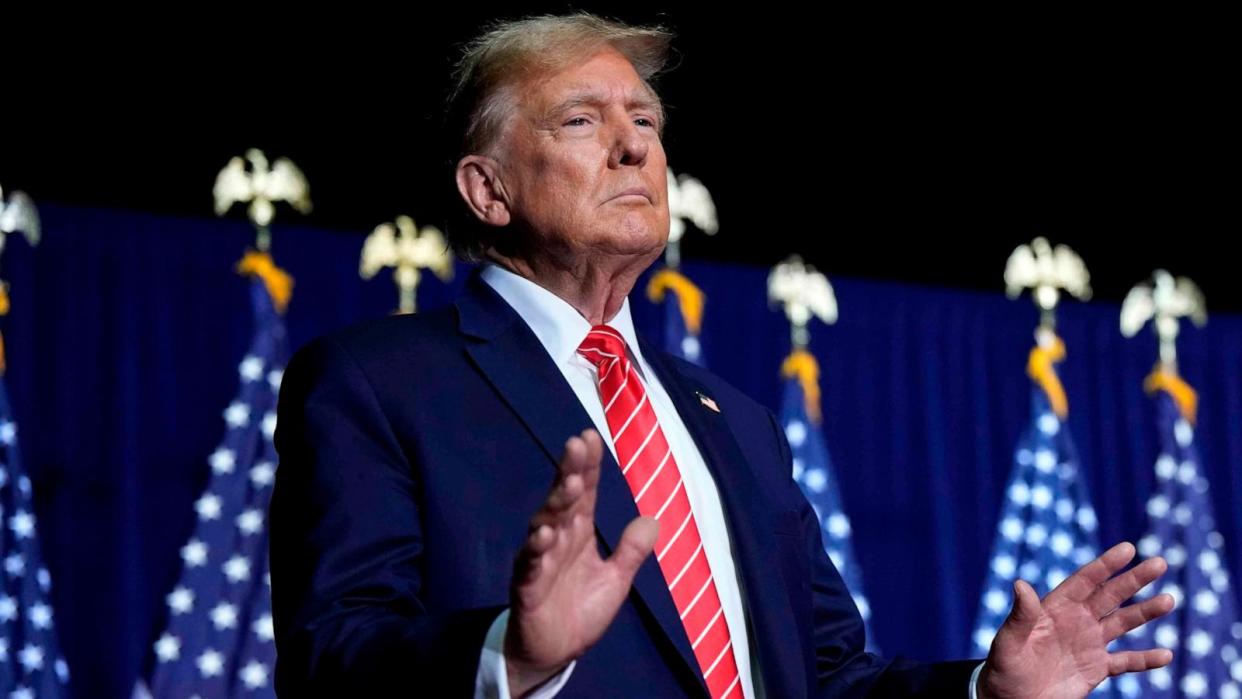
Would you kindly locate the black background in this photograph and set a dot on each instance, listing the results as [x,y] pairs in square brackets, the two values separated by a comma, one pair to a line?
[899,144]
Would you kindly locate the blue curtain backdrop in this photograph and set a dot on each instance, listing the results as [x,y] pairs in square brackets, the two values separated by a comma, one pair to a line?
[127,329]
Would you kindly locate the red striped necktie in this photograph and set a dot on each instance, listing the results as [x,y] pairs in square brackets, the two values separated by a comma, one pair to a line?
[646,461]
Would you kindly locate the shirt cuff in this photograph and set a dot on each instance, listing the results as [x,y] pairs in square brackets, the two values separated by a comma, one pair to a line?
[974,680]
[492,680]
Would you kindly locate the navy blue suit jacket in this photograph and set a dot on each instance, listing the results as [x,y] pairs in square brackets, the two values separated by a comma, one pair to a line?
[415,449]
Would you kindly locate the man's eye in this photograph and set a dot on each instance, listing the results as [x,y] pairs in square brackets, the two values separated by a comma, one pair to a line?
[577,121]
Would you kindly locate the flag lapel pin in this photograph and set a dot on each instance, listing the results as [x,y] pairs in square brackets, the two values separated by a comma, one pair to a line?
[708,402]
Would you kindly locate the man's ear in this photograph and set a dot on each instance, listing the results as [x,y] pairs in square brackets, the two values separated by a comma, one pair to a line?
[480,187]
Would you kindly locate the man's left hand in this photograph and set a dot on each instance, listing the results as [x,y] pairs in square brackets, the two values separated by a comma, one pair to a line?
[1058,647]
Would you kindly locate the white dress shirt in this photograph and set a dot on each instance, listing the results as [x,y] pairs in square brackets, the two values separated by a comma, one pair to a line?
[561,329]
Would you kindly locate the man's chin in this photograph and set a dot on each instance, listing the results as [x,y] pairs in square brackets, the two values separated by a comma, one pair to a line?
[638,233]
[645,246]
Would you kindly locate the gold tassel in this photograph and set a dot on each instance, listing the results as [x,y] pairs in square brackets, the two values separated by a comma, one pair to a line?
[689,297]
[1040,368]
[1182,394]
[802,365]
[4,311]
[278,282]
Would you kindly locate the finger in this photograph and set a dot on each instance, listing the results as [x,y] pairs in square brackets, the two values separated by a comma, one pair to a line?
[584,507]
[573,458]
[547,551]
[1138,660]
[1134,616]
[577,480]
[564,494]
[1025,611]
[576,535]
[559,506]
[541,541]
[1113,593]
[590,472]
[594,454]
[567,489]
[1079,586]
[581,460]
[637,542]
[527,565]
[571,463]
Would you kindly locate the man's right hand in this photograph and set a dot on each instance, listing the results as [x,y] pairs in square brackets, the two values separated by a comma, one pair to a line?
[563,595]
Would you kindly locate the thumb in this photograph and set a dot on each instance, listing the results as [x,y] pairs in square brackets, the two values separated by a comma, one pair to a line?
[1026,608]
[637,541]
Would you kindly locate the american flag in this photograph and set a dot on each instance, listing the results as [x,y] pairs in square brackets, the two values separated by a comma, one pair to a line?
[679,298]
[219,640]
[1203,629]
[812,469]
[1047,526]
[30,661]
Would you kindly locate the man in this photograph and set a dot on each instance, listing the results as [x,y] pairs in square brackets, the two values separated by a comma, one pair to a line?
[447,514]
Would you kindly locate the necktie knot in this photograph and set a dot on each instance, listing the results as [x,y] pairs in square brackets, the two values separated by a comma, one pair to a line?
[602,345]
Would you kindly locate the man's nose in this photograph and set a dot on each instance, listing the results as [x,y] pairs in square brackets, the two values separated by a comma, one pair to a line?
[629,146]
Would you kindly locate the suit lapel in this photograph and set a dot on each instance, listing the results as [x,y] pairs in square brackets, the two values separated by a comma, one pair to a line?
[747,511]
[511,357]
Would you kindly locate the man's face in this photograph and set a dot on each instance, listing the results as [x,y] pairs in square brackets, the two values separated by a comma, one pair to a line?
[583,163]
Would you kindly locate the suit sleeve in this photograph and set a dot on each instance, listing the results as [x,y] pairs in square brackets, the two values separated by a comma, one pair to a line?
[346,544]
[843,668]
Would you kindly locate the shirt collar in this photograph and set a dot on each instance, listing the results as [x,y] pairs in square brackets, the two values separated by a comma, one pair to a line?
[558,325]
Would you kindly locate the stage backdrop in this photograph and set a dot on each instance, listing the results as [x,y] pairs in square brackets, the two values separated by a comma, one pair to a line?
[127,329]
